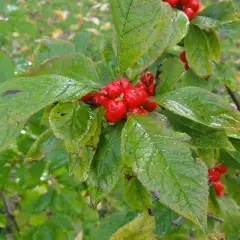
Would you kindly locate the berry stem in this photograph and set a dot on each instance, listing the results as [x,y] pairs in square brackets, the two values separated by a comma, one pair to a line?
[233,97]
[217,219]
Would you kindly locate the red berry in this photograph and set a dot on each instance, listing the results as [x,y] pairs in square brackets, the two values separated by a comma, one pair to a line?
[183,57]
[189,12]
[193,4]
[99,100]
[115,110]
[124,82]
[104,91]
[222,169]
[134,97]
[87,98]
[151,90]
[184,2]
[150,105]
[186,66]
[114,89]
[213,175]
[141,86]
[218,187]
[138,111]
[147,78]
[172,2]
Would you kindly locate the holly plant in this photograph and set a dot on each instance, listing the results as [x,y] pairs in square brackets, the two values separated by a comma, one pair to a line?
[141,143]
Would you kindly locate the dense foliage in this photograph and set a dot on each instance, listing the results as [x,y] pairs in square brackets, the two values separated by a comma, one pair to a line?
[123,132]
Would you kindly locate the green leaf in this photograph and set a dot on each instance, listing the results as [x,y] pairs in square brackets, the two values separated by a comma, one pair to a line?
[43,201]
[138,25]
[214,46]
[45,143]
[136,195]
[75,123]
[235,154]
[197,50]
[169,77]
[22,97]
[224,74]
[174,28]
[205,23]
[163,163]
[190,78]
[233,187]
[44,232]
[164,218]
[222,11]
[140,228]
[82,42]
[201,106]
[3,221]
[105,169]
[4,175]
[6,66]
[74,66]
[202,136]
[230,28]
[49,48]
[231,227]
[38,219]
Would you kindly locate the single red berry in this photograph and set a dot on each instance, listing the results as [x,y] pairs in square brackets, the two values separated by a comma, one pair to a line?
[87,98]
[114,89]
[147,78]
[193,4]
[213,175]
[222,169]
[184,2]
[134,97]
[186,66]
[125,83]
[149,105]
[183,56]
[104,91]
[115,110]
[189,12]
[172,2]
[151,90]
[218,187]
[99,100]
[141,86]
[138,111]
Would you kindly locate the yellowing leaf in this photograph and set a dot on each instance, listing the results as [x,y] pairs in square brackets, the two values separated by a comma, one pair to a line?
[140,228]
[56,33]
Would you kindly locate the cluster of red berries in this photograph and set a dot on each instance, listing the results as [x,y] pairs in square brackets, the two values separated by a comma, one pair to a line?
[214,175]
[189,7]
[120,97]
[183,58]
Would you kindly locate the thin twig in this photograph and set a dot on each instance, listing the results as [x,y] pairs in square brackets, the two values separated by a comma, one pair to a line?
[177,221]
[8,213]
[233,97]
[215,218]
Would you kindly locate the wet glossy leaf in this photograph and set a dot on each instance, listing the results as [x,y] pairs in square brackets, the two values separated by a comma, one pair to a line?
[138,25]
[49,48]
[168,78]
[202,136]
[6,66]
[74,66]
[42,146]
[223,11]
[190,78]
[206,23]
[224,74]
[201,106]
[163,163]
[230,28]
[198,52]
[75,123]
[106,165]
[136,195]
[141,227]
[19,99]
